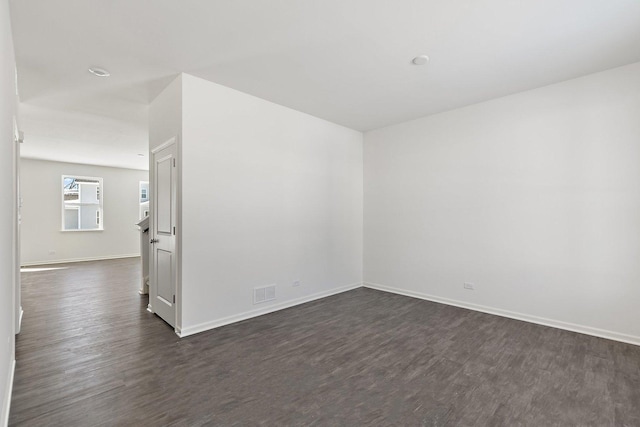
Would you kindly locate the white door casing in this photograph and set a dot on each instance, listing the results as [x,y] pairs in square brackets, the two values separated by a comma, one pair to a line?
[163,268]
[18,138]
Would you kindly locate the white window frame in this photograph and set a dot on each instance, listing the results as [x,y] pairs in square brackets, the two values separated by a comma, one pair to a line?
[78,206]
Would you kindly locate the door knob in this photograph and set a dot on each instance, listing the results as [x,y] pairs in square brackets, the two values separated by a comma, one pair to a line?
[153,241]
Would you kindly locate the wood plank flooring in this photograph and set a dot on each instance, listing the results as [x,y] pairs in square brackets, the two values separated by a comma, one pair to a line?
[90,355]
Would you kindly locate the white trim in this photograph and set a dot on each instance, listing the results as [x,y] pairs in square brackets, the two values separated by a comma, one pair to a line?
[69,260]
[587,330]
[259,312]
[6,405]
[167,143]
[19,328]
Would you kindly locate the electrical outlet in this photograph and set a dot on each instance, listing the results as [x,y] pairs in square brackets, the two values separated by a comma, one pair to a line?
[296,283]
[469,286]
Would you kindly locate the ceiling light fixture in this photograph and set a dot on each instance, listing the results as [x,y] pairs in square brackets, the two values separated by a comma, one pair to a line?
[100,72]
[420,60]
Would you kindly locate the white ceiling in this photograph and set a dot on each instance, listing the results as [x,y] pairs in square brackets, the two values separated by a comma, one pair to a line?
[347,61]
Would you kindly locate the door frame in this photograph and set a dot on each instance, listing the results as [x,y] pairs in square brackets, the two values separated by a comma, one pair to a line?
[152,230]
[17,220]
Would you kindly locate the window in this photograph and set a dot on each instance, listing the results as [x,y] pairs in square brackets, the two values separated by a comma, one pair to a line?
[81,203]
[144,199]
[144,191]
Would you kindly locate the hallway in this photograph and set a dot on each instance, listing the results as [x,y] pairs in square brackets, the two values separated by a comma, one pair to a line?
[86,341]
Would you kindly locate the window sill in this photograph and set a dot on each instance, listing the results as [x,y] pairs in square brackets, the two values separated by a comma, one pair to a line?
[82,231]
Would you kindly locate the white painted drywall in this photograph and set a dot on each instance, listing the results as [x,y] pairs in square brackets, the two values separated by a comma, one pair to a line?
[8,104]
[165,115]
[534,198]
[41,213]
[65,134]
[269,196]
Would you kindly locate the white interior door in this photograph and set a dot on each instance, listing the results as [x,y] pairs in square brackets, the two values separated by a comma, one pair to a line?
[163,234]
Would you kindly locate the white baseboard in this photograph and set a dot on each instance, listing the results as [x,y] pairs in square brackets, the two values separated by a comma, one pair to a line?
[190,330]
[6,404]
[68,260]
[587,330]
[19,325]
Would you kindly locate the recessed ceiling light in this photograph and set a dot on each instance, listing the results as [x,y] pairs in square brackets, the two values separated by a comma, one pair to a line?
[420,60]
[100,72]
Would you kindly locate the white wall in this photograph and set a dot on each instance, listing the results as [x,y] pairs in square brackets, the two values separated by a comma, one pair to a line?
[8,102]
[533,197]
[41,213]
[269,196]
[165,115]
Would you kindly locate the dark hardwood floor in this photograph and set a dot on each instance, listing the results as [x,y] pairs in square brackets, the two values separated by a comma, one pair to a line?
[90,355]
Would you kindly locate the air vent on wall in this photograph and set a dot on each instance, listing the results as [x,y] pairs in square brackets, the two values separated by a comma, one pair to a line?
[263,294]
